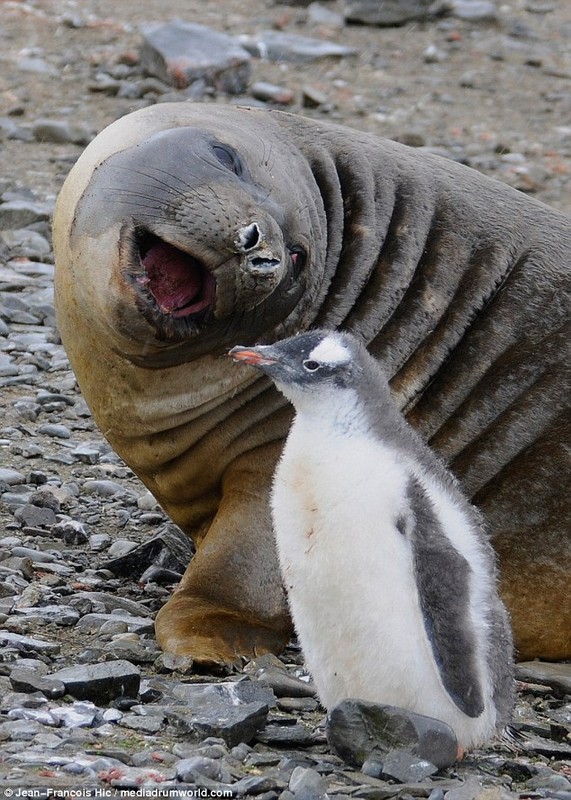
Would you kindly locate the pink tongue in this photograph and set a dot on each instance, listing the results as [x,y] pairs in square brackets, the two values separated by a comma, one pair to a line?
[174,279]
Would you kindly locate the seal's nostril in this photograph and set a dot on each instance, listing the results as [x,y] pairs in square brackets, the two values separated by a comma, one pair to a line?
[249,237]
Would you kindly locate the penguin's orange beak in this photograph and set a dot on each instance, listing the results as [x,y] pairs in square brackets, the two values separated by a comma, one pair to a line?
[251,355]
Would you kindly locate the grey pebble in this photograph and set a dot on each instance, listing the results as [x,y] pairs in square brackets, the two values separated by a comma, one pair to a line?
[55,430]
[180,53]
[187,769]
[281,46]
[102,488]
[11,476]
[306,783]
[93,623]
[100,683]
[36,556]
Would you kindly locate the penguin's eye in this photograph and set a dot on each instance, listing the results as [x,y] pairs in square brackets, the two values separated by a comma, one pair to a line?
[311,366]
[228,158]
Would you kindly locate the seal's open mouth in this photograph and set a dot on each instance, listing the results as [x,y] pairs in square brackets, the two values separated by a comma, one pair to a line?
[180,285]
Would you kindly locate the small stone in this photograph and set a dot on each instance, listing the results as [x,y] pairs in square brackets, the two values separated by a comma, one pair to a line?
[25,680]
[356,729]
[72,532]
[33,516]
[469,790]
[474,10]
[11,476]
[225,710]
[307,784]
[547,778]
[297,705]
[78,715]
[101,683]
[284,685]
[36,556]
[389,12]
[92,623]
[121,547]
[170,548]
[99,541]
[290,736]
[102,488]
[57,132]
[54,430]
[16,214]
[279,46]
[312,97]
[187,769]
[28,644]
[268,92]
[146,502]
[555,675]
[150,724]
[404,766]
[65,616]
[181,53]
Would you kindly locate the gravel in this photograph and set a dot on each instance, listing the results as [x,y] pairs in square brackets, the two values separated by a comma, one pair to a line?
[86,556]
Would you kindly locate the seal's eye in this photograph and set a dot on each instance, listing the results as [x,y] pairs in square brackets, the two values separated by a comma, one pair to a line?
[228,158]
[311,366]
[298,258]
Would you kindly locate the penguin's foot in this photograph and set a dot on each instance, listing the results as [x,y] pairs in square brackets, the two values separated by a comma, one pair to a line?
[215,637]
[460,753]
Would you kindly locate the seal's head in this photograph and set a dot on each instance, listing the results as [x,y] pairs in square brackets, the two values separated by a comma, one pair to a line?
[193,236]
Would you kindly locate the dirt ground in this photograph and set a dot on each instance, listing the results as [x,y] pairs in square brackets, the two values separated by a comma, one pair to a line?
[495,95]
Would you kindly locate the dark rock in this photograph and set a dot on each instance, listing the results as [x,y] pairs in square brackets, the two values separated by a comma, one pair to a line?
[11,476]
[160,575]
[468,790]
[55,430]
[94,622]
[278,46]
[51,614]
[357,729]
[307,784]
[290,736]
[404,766]
[170,549]
[36,556]
[557,676]
[285,685]
[27,644]
[103,488]
[20,213]
[268,92]
[230,711]
[181,53]
[35,517]
[187,769]
[100,683]
[26,680]
[55,131]
[389,12]
[71,531]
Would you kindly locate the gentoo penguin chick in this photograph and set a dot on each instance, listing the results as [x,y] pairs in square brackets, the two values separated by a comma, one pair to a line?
[390,576]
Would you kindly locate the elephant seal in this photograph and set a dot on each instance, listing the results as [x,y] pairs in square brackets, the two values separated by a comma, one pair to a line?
[184,229]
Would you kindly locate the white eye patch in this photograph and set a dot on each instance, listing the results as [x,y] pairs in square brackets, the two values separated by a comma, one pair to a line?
[330,351]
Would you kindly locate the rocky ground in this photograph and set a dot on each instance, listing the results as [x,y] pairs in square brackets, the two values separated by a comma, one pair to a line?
[86,557]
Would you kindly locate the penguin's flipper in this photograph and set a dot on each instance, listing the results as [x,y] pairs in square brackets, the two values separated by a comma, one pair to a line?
[443,580]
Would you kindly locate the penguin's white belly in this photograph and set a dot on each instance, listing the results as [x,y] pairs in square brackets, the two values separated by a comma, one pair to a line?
[350,578]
